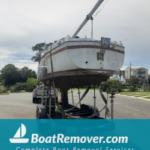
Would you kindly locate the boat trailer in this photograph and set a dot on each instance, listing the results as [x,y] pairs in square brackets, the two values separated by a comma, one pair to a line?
[50,108]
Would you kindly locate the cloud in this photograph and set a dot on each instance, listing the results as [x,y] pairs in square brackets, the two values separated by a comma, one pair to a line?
[123,67]
[24,61]
[32,66]
[5,54]
[18,56]
[25,23]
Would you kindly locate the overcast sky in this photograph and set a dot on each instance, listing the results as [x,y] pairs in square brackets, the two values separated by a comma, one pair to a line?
[24,23]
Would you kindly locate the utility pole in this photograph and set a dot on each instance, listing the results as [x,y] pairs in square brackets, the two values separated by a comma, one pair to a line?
[91,28]
[130,72]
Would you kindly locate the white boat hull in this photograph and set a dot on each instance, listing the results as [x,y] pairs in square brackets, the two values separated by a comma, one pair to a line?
[78,60]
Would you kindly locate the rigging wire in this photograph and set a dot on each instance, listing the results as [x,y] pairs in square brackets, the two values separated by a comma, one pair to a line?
[101,8]
[124,40]
[84,31]
[88,25]
[72,32]
[86,28]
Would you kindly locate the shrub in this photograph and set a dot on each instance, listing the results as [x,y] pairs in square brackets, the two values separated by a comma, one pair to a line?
[133,88]
[19,86]
[110,90]
[112,86]
[107,85]
[12,89]
[3,89]
[118,86]
[30,83]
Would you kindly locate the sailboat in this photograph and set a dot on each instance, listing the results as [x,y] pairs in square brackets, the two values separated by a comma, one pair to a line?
[18,137]
[75,62]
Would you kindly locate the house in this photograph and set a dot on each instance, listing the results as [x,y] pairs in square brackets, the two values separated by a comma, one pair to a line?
[138,71]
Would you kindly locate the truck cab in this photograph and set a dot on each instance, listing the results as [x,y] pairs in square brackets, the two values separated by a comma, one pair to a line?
[43,91]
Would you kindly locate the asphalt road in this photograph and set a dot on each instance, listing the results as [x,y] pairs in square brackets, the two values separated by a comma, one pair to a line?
[124,107]
[20,106]
[17,106]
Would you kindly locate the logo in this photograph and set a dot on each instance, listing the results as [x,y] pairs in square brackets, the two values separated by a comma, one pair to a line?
[18,137]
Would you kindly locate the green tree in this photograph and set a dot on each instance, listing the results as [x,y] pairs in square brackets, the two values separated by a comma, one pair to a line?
[108,87]
[19,86]
[134,84]
[27,73]
[39,48]
[30,83]
[0,77]
[117,85]
[1,80]
[134,80]
[10,75]
[112,86]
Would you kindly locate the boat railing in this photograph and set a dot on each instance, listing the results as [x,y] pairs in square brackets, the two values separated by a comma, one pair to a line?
[68,38]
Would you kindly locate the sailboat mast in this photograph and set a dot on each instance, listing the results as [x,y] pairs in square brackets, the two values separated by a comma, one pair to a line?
[88,17]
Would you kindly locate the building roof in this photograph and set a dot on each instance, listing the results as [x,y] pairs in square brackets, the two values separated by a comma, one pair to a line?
[137,67]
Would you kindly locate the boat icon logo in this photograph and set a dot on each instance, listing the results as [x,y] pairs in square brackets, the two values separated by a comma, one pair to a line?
[18,137]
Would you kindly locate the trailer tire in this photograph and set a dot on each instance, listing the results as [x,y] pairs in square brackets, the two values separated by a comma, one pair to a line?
[34,100]
[41,113]
[39,121]
[39,100]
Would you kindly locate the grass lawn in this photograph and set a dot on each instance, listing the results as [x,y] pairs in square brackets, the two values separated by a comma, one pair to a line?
[147,97]
[4,93]
[137,94]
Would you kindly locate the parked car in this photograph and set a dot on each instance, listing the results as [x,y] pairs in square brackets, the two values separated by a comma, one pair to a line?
[37,93]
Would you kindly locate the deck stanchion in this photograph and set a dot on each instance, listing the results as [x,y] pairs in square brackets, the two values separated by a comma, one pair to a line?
[106,107]
[46,96]
[112,105]
[64,96]
[94,101]
[50,103]
[79,97]
[72,97]
[42,93]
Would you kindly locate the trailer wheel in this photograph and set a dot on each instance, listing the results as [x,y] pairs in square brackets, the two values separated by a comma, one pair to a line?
[40,114]
[39,100]
[34,100]
[39,121]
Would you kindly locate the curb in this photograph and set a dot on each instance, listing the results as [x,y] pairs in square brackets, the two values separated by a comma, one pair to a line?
[135,97]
